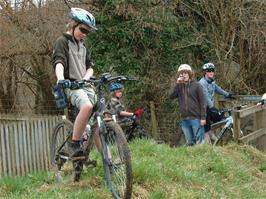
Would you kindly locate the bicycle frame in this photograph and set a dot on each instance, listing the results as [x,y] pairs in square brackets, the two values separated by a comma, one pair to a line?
[228,124]
[101,105]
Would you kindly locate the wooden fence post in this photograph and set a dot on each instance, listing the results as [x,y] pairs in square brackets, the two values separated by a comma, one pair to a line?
[154,128]
[259,121]
[236,125]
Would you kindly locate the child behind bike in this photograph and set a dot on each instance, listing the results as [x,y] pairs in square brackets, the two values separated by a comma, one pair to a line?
[115,105]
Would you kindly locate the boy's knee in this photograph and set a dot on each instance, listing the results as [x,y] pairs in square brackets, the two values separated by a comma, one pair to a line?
[86,107]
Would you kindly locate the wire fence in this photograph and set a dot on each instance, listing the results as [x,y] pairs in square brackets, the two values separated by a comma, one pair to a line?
[166,114]
[166,120]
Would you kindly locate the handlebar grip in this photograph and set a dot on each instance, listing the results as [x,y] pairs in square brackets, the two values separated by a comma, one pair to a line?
[65,83]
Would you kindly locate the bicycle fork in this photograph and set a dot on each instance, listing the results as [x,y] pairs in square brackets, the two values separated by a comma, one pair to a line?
[104,148]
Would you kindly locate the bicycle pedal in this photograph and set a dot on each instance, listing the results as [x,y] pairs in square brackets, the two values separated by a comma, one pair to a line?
[78,158]
[92,163]
[63,157]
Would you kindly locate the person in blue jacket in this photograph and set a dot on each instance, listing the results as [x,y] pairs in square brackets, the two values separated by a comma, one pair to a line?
[210,87]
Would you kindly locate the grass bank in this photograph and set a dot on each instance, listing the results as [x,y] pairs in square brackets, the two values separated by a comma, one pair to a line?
[234,171]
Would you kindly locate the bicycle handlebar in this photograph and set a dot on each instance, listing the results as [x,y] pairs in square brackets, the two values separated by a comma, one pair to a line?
[105,78]
[238,107]
[222,111]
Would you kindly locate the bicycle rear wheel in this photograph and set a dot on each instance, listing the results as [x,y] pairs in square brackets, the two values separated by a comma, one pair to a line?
[58,148]
[142,133]
[138,133]
[117,161]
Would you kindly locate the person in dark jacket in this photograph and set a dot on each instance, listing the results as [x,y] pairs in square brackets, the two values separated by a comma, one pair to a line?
[192,105]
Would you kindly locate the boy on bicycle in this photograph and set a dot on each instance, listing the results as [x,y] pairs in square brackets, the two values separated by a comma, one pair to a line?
[72,62]
[210,88]
[115,105]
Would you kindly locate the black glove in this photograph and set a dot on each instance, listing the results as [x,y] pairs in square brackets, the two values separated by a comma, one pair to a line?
[231,96]
[262,102]
[65,83]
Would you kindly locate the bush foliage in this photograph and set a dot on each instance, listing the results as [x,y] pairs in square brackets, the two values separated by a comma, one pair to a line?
[147,39]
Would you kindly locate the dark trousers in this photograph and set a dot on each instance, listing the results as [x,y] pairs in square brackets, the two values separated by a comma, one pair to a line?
[213,115]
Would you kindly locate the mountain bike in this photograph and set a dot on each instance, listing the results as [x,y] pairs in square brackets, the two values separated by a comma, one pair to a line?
[226,132]
[132,128]
[115,151]
[226,124]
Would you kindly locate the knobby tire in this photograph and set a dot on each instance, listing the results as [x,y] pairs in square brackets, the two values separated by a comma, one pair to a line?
[118,170]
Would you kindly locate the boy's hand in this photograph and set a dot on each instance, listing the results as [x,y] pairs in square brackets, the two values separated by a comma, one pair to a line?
[202,122]
[180,79]
[66,83]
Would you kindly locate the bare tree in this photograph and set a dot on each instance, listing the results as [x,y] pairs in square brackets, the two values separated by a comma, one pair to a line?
[29,34]
[236,32]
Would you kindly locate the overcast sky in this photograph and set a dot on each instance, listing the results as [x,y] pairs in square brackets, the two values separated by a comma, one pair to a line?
[13,2]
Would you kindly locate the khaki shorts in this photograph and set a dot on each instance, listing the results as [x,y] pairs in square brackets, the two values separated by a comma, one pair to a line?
[81,96]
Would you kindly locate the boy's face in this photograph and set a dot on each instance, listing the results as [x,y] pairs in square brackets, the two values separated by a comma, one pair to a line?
[118,93]
[185,75]
[210,73]
[81,31]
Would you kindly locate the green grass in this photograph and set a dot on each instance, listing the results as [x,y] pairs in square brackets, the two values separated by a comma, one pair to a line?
[233,171]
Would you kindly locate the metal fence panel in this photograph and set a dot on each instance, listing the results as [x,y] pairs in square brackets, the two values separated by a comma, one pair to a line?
[24,144]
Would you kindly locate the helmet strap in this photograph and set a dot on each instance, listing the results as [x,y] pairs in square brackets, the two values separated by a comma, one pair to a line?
[73,30]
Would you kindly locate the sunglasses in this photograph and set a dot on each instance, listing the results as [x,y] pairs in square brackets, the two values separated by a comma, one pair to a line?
[84,30]
[210,70]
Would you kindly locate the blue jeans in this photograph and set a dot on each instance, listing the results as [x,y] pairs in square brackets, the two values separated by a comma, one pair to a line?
[193,131]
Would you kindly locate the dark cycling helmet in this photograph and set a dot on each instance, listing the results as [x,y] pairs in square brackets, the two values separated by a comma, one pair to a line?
[208,66]
[116,86]
[83,16]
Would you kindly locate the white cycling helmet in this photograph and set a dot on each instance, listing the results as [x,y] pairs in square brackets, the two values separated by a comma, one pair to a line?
[208,66]
[263,96]
[184,67]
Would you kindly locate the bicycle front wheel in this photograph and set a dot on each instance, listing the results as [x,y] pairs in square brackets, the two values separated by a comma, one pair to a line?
[117,162]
